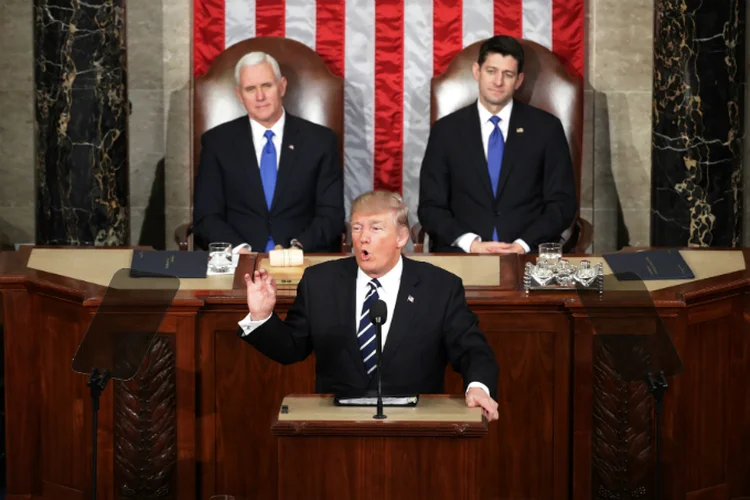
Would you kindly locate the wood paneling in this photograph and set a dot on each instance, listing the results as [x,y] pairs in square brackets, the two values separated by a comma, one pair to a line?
[65,416]
[547,443]
[22,395]
[373,468]
[706,360]
[739,401]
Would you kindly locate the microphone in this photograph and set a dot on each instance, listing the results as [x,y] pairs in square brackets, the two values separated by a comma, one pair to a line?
[378,315]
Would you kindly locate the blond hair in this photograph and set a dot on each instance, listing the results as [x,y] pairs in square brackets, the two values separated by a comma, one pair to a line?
[375,202]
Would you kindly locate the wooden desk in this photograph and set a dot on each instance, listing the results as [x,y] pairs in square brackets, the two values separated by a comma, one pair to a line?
[567,424]
[333,453]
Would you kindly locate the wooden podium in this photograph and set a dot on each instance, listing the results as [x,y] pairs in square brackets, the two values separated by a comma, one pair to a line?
[197,419]
[334,452]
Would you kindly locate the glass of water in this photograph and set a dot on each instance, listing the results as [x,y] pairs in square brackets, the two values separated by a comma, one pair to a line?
[551,252]
[219,257]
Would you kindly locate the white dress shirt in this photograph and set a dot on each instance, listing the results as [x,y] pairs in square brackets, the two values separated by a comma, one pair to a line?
[390,283]
[259,140]
[258,132]
[487,127]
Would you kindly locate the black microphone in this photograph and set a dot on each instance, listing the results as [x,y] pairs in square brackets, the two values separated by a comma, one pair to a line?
[378,315]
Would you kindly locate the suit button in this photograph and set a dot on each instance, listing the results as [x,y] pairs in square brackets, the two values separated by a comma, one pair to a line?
[497,213]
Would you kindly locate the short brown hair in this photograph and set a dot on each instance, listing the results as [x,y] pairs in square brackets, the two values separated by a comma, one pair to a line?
[374,202]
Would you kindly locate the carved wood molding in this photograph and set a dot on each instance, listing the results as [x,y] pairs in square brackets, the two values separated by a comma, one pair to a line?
[621,435]
[146,427]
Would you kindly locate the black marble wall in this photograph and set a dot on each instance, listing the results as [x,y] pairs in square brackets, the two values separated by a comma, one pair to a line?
[698,113]
[81,119]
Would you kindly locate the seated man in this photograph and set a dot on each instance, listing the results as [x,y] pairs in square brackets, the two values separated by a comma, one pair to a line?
[428,322]
[497,176]
[269,178]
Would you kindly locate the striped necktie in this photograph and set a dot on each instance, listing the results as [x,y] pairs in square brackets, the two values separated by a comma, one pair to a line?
[366,330]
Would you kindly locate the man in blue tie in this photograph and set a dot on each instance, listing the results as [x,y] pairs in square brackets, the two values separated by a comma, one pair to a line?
[428,322]
[269,178]
[497,175]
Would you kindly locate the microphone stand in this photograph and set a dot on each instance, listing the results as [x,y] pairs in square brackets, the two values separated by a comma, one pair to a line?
[96,382]
[378,351]
[657,385]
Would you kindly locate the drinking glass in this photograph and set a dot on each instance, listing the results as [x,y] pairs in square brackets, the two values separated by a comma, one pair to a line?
[551,252]
[219,257]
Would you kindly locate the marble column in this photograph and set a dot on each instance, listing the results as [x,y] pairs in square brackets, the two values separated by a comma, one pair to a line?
[81,122]
[698,114]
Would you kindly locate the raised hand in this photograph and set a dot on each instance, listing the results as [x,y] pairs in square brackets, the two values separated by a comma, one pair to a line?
[261,294]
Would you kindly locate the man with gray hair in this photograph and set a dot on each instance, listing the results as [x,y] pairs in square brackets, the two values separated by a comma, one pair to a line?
[270,178]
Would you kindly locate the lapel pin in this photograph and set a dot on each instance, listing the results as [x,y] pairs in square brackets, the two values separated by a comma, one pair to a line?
[291,146]
[519,130]
[410,298]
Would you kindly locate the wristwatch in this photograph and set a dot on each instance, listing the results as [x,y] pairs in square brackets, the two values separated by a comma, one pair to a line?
[295,243]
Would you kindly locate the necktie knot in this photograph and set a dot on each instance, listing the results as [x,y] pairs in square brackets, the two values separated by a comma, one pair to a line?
[374,284]
[495,120]
[269,142]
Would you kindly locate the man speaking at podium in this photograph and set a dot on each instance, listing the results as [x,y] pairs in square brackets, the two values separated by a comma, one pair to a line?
[428,324]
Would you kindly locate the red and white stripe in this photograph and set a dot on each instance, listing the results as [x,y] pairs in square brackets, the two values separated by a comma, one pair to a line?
[387,51]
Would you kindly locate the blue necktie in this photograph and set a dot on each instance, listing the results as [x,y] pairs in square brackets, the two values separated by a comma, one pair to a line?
[366,330]
[268,173]
[495,147]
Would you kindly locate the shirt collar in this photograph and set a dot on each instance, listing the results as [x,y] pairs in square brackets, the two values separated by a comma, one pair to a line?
[504,114]
[389,281]
[259,130]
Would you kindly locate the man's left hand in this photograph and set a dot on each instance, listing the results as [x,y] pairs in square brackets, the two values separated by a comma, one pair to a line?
[477,397]
[510,248]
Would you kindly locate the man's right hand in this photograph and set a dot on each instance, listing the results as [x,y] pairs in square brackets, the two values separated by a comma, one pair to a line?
[261,294]
[486,246]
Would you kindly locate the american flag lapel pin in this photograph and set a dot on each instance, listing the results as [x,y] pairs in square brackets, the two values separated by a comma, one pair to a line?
[291,146]
[519,130]
[410,298]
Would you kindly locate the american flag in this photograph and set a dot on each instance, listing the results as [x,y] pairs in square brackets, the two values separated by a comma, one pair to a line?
[387,51]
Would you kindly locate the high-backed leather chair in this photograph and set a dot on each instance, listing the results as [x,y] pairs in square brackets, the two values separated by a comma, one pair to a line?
[547,85]
[313,93]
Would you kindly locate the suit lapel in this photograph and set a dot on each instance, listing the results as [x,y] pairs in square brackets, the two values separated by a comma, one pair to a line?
[288,154]
[404,312]
[512,149]
[249,162]
[347,310]
[472,132]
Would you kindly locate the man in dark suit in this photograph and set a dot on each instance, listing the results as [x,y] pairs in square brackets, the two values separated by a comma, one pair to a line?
[269,178]
[428,325]
[497,176]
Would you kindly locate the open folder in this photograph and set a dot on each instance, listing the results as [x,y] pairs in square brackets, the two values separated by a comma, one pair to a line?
[370,400]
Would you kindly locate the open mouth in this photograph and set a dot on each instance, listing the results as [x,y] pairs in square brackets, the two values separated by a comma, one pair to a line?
[364,254]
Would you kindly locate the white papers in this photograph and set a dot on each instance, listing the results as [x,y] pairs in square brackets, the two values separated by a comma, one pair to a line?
[387,401]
